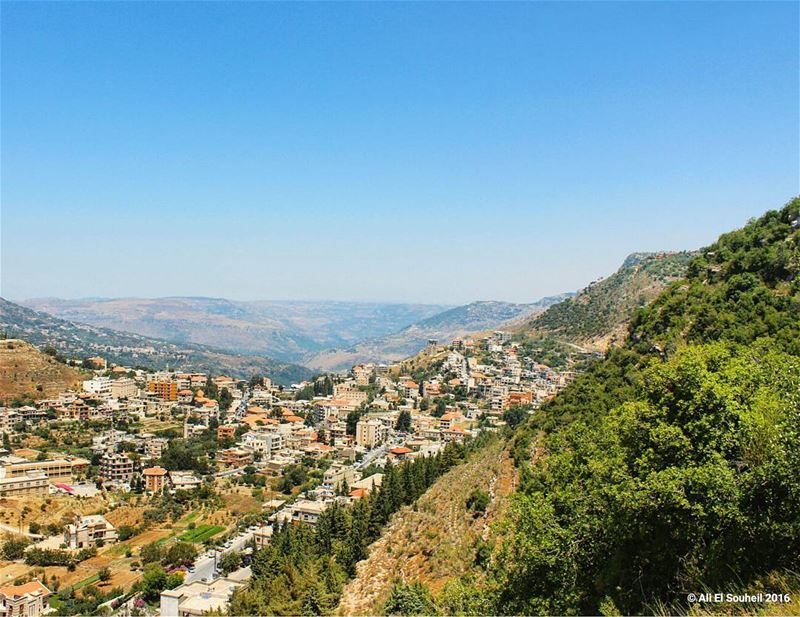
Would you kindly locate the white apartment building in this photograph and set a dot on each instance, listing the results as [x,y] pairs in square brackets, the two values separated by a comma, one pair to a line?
[98,385]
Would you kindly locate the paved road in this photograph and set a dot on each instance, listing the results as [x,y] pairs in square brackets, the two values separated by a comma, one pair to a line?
[378,452]
[205,566]
[228,472]
[16,530]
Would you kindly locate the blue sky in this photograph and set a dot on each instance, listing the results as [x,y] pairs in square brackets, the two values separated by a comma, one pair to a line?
[382,151]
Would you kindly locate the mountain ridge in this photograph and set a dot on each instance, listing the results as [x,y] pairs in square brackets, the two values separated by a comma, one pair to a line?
[462,320]
[287,330]
[598,315]
[77,339]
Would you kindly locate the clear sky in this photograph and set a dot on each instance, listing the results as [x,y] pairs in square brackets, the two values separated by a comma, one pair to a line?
[382,151]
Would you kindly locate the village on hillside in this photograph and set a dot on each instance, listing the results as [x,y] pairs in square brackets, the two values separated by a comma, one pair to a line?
[148,493]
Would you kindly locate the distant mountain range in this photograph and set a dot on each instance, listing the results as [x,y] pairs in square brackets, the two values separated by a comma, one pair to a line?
[289,331]
[243,337]
[600,313]
[447,325]
[320,335]
[82,340]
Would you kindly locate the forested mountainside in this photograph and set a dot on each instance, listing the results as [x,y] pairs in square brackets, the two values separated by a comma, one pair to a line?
[304,569]
[82,340]
[674,464]
[600,313]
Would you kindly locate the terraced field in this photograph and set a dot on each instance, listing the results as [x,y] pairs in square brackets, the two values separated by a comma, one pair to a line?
[200,533]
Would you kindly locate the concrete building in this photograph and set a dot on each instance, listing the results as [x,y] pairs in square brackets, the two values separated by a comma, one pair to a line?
[27,600]
[116,467]
[124,387]
[184,480]
[262,536]
[265,443]
[90,532]
[234,457]
[303,511]
[63,469]
[164,390]
[155,479]
[370,433]
[24,486]
[98,385]
[337,475]
[199,598]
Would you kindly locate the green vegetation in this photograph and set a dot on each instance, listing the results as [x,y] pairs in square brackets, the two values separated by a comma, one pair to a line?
[200,533]
[57,557]
[304,568]
[411,599]
[672,464]
[603,307]
[478,501]
[403,421]
[14,547]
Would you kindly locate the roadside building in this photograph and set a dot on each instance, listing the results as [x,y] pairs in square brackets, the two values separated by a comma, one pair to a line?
[201,598]
[262,536]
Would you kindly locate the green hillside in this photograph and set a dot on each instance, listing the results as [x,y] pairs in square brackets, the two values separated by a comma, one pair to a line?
[674,464]
[600,313]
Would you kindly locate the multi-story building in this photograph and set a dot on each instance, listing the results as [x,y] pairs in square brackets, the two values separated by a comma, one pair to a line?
[116,467]
[24,486]
[263,442]
[262,536]
[98,385]
[349,393]
[63,469]
[154,447]
[234,457]
[226,431]
[124,387]
[8,418]
[164,390]
[303,511]
[370,433]
[89,532]
[200,598]
[337,475]
[155,479]
[27,600]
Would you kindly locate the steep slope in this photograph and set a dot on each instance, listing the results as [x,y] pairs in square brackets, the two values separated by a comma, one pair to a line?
[286,330]
[28,374]
[672,464]
[438,540]
[443,327]
[600,313]
[82,340]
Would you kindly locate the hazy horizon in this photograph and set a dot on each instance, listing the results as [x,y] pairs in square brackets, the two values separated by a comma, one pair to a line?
[403,152]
